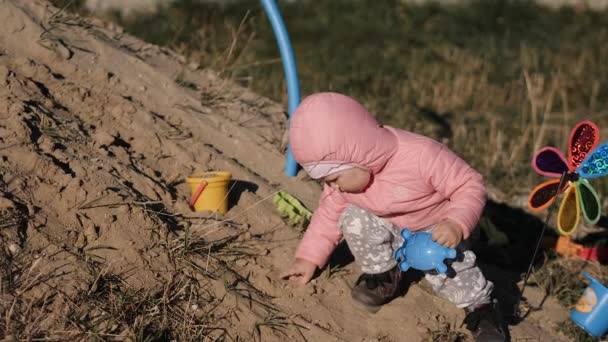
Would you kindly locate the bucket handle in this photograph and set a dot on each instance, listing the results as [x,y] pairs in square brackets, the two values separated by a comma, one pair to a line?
[197,194]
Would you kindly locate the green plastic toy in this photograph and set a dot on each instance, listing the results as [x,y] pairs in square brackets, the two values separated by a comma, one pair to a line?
[290,207]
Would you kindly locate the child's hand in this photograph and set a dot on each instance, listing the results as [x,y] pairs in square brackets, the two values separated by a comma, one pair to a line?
[447,233]
[300,272]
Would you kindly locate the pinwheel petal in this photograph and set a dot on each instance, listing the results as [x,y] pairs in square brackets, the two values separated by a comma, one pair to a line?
[589,201]
[596,163]
[550,162]
[569,216]
[584,137]
[544,194]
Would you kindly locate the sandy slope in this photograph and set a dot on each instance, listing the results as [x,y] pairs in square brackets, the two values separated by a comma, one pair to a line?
[96,138]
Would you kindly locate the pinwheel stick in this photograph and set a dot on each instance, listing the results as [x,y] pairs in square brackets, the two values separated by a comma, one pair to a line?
[517,312]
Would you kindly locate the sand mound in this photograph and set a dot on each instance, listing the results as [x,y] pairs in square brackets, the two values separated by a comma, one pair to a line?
[96,138]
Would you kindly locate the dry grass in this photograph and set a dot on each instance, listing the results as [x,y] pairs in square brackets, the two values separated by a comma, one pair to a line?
[51,37]
[21,315]
[182,308]
[279,326]
[575,332]
[563,278]
[444,331]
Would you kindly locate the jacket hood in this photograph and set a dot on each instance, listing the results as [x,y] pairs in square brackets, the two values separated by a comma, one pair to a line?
[331,128]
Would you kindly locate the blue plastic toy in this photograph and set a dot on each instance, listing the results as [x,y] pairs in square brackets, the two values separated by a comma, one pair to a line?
[591,311]
[420,252]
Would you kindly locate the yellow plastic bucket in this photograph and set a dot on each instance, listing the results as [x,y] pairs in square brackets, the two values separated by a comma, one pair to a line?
[209,191]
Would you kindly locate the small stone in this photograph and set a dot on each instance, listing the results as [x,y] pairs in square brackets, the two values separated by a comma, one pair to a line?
[63,51]
[95,113]
[123,210]
[78,169]
[103,326]
[96,22]
[48,103]
[84,286]
[129,108]
[241,262]
[103,138]
[6,203]
[81,241]
[244,237]
[46,145]
[90,232]
[117,111]
[193,65]
[311,289]
[83,93]
[194,307]
[103,151]
[14,249]
[116,28]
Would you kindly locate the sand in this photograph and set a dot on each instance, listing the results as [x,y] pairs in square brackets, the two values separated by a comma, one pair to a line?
[96,139]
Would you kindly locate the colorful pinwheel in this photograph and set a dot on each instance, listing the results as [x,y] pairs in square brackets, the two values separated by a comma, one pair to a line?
[586,160]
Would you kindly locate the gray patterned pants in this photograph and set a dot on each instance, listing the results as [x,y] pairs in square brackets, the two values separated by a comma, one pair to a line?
[372,241]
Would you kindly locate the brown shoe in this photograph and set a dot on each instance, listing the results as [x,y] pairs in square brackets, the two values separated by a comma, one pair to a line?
[374,290]
[487,324]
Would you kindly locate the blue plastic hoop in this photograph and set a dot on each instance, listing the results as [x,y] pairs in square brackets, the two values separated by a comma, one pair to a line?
[290,68]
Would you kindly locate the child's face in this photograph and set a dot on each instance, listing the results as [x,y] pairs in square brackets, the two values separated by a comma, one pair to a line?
[352,180]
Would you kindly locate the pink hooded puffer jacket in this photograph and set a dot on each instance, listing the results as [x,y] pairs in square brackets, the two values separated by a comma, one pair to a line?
[417,181]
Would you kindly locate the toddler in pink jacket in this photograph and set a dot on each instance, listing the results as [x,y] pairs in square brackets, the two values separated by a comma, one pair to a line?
[379,180]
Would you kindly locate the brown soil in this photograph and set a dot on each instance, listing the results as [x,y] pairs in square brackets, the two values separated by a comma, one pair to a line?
[96,138]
